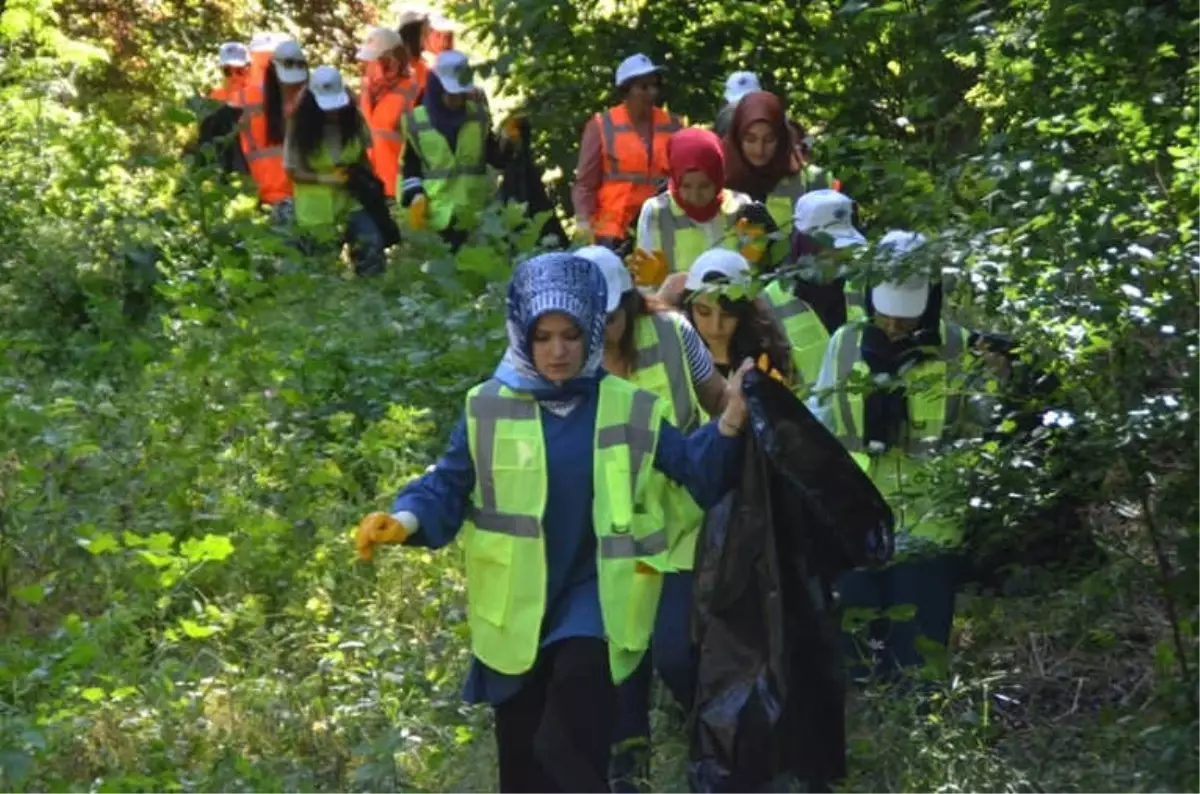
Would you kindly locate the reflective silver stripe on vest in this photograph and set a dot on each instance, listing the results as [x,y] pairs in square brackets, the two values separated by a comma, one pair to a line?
[609,130]
[388,135]
[638,434]
[791,307]
[487,408]
[262,154]
[854,299]
[669,353]
[616,546]
[847,356]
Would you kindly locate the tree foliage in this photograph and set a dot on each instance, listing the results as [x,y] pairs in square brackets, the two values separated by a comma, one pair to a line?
[192,416]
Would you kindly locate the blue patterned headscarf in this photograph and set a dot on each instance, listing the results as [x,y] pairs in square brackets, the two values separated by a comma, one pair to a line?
[554,282]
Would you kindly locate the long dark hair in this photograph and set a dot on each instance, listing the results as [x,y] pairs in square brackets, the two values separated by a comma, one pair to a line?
[273,101]
[412,36]
[636,305]
[756,333]
[308,124]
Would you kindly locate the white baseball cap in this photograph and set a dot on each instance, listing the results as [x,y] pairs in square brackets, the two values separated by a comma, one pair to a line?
[828,212]
[442,23]
[454,72]
[267,41]
[731,265]
[739,84]
[905,299]
[328,89]
[288,53]
[234,53]
[379,42]
[638,65]
[412,15]
[898,243]
[616,275]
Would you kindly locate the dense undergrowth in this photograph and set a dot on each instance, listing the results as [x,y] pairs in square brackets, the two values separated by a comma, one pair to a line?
[192,418]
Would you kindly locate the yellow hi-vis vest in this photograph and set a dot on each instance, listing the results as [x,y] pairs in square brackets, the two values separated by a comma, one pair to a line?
[781,204]
[456,183]
[682,239]
[936,403]
[503,534]
[318,205]
[661,368]
[805,331]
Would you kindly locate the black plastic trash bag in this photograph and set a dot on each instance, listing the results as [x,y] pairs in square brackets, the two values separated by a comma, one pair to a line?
[367,190]
[770,683]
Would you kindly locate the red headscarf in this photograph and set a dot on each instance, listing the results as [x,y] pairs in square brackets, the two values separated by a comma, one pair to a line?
[695,149]
[758,181]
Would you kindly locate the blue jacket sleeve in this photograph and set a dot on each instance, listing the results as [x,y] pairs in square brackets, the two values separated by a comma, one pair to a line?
[707,463]
[439,498]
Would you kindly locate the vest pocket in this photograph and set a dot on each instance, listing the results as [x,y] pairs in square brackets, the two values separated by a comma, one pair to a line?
[489,558]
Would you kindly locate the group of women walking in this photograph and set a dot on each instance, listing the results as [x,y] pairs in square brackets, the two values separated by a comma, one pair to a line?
[579,474]
[333,168]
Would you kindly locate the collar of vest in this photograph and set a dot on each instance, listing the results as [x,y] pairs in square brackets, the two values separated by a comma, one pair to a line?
[730,203]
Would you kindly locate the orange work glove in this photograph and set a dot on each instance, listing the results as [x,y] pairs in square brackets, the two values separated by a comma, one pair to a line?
[648,269]
[418,213]
[378,528]
[764,365]
[754,240]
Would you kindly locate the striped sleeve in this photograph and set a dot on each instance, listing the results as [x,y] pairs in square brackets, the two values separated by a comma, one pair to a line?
[699,360]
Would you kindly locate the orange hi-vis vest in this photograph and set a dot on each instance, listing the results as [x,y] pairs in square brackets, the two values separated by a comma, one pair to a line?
[631,174]
[264,160]
[383,112]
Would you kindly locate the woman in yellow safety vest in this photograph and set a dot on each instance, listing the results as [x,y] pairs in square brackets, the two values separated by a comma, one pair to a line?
[327,138]
[556,475]
[695,214]
[812,297]
[718,301]
[920,370]
[448,146]
[655,348]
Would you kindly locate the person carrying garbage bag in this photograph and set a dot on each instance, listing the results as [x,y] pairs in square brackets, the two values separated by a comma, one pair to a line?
[448,145]
[555,479]
[769,704]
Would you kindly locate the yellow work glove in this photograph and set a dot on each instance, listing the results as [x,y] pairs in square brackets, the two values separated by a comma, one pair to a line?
[648,269]
[754,240]
[764,365]
[378,528]
[418,213]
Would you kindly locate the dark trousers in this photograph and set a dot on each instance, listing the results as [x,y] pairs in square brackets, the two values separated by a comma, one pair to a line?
[672,655]
[555,734]
[906,601]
